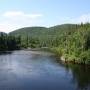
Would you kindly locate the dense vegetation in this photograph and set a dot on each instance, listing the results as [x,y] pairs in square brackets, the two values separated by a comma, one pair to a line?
[41,36]
[75,44]
[72,41]
[8,42]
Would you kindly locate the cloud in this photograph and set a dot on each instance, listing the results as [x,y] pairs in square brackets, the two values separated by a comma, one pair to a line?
[12,20]
[75,20]
[12,13]
[83,18]
[19,14]
[6,27]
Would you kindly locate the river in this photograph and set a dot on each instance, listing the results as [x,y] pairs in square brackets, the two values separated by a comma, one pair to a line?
[39,70]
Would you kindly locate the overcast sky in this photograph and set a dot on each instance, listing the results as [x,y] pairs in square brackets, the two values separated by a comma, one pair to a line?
[16,14]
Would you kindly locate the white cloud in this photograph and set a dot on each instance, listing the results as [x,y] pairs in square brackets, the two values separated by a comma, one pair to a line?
[83,18]
[6,27]
[19,14]
[75,20]
[12,20]
[12,13]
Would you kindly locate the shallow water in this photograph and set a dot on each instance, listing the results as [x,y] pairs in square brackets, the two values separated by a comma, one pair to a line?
[38,70]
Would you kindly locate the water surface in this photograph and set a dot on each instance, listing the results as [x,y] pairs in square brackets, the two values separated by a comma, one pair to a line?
[38,70]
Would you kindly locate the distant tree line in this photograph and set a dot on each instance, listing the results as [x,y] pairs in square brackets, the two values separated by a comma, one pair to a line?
[8,42]
[70,41]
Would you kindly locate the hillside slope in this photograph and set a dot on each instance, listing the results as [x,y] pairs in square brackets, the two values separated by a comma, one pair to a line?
[43,31]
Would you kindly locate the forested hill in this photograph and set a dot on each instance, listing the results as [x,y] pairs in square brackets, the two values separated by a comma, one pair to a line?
[72,41]
[42,36]
[31,31]
[2,33]
[43,31]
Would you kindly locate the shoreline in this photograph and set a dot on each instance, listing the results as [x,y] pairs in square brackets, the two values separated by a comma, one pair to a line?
[61,58]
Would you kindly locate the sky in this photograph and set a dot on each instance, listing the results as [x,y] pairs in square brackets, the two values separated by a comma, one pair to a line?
[15,14]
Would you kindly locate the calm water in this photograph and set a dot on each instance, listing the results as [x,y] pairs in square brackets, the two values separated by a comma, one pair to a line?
[35,70]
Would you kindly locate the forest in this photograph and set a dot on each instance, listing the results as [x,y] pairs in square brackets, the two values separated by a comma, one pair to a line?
[9,43]
[72,41]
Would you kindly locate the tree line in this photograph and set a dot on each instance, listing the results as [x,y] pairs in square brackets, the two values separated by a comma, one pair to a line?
[8,42]
[70,41]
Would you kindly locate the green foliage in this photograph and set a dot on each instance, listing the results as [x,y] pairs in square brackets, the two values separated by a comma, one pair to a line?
[9,42]
[76,45]
[69,40]
[46,37]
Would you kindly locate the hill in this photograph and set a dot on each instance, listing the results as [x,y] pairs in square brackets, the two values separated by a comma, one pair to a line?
[43,31]
[3,33]
[31,31]
[70,41]
[45,37]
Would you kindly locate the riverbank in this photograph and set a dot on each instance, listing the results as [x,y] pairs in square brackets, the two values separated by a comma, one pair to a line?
[83,58]
[65,58]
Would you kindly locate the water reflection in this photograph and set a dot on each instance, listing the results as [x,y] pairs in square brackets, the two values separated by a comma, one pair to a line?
[5,52]
[81,75]
[26,70]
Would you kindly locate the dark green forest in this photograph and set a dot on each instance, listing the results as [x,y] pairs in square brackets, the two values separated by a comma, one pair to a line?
[8,43]
[72,41]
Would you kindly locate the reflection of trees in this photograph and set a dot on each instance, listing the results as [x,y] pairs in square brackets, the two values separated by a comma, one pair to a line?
[81,75]
[5,52]
[36,56]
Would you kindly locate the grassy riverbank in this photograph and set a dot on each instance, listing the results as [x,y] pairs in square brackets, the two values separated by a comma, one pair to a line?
[82,58]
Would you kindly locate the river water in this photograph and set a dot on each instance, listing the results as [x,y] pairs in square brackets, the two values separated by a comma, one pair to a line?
[38,70]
